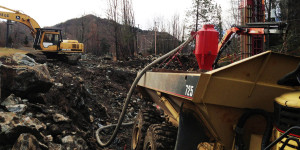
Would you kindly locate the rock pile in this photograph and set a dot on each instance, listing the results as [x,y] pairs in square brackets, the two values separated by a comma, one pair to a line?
[27,119]
[58,106]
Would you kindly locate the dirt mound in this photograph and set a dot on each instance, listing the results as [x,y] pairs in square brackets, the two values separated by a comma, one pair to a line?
[81,99]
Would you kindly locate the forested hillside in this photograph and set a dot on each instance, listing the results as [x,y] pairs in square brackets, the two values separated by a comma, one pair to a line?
[97,34]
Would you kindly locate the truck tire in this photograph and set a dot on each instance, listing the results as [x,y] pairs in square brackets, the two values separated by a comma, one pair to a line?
[160,137]
[144,119]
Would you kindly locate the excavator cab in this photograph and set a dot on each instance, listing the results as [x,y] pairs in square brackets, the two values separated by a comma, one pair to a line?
[48,39]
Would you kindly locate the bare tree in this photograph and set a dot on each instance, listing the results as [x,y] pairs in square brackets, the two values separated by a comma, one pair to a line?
[83,27]
[121,12]
[79,32]
[235,14]
[183,31]
[112,14]
[290,13]
[128,13]
[112,11]
[159,23]
[168,34]
[175,23]
[175,26]
[128,30]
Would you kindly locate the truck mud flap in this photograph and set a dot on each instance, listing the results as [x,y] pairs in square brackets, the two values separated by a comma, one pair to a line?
[190,131]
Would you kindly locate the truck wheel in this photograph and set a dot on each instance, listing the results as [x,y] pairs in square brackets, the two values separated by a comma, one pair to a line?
[144,119]
[160,137]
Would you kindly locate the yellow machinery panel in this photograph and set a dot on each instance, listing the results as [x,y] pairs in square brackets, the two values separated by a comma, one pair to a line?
[219,97]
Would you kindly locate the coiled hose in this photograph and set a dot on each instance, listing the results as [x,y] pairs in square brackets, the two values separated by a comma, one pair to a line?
[239,143]
[129,94]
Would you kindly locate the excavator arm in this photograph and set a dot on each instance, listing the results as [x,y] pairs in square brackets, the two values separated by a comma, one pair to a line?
[239,31]
[17,16]
[253,29]
[250,29]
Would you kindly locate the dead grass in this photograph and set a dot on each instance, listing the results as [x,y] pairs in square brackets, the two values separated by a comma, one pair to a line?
[10,51]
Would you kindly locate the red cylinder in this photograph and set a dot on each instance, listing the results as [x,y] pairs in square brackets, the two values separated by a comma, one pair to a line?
[206,49]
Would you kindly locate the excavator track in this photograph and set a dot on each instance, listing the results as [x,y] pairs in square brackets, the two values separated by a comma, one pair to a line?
[42,57]
[72,58]
[39,57]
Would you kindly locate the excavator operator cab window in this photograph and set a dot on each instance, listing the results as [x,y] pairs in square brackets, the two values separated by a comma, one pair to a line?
[50,39]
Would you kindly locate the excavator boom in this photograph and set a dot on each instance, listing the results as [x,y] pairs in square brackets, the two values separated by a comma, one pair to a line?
[17,16]
[252,29]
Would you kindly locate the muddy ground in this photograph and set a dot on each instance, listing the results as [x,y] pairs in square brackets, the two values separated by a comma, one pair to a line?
[82,98]
[103,86]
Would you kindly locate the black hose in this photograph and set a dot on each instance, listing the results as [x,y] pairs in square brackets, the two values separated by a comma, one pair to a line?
[239,143]
[109,126]
[223,48]
[291,79]
[129,94]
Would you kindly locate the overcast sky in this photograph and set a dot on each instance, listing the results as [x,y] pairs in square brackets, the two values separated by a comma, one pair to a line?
[49,13]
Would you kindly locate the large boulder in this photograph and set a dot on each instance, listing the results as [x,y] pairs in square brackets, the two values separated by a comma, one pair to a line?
[22,76]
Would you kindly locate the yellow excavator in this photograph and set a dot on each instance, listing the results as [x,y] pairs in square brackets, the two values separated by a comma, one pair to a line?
[47,40]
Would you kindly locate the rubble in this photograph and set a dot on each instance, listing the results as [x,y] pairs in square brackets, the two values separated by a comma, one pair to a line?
[26,141]
[12,125]
[19,108]
[60,118]
[73,142]
[53,146]
[11,100]
[59,106]
[12,104]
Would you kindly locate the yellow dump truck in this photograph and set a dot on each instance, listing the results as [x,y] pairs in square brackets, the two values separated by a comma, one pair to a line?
[225,108]
[239,106]
[250,104]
